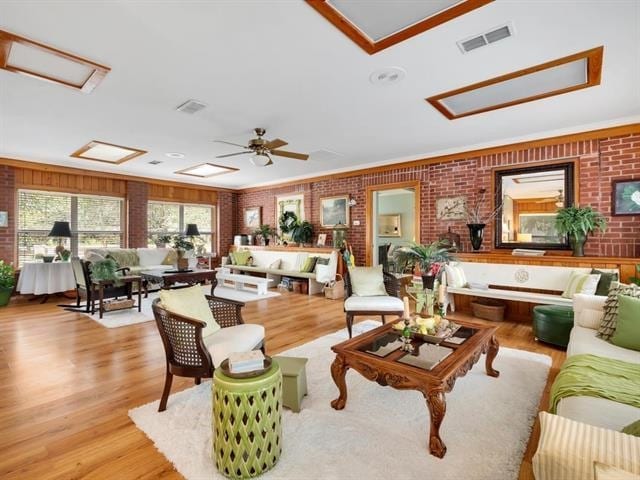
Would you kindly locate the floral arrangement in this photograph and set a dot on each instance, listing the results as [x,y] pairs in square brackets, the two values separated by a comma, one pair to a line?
[474,212]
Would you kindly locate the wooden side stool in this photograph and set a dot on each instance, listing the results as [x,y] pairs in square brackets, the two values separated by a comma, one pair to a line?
[294,381]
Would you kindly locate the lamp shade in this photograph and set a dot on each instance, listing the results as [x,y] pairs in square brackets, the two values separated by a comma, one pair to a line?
[260,160]
[192,230]
[60,229]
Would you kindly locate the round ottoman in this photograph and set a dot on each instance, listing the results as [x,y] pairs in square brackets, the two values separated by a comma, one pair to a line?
[246,423]
[552,324]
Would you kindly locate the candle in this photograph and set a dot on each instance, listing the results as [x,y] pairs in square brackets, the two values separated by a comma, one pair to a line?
[405,300]
[441,293]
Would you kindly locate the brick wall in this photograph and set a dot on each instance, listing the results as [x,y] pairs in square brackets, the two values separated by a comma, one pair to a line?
[7,204]
[227,209]
[137,196]
[600,162]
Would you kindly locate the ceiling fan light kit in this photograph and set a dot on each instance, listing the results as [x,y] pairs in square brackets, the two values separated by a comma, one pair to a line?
[261,149]
[261,160]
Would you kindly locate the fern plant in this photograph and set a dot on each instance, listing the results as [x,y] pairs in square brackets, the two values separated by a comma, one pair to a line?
[579,221]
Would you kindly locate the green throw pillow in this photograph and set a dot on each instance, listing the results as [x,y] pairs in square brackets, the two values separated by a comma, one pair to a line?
[309,264]
[605,281]
[627,334]
[610,309]
[190,302]
[632,429]
[242,257]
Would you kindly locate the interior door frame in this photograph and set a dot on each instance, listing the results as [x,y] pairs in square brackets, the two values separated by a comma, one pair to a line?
[370,189]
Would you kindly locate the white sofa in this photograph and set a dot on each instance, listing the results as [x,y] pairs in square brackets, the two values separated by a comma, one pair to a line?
[148,258]
[290,263]
[587,429]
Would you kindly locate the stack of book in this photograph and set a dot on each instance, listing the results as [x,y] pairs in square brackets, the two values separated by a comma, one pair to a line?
[241,362]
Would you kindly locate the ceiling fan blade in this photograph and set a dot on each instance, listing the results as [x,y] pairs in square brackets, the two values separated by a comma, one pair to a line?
[275,143]
[297,156]
[230,143]
[233,154]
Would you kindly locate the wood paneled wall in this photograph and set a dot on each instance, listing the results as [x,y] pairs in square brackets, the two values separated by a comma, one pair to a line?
[182,194]
[68,182]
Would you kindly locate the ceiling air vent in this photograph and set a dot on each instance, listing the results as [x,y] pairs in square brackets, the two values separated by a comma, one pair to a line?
[155,162]
[484,39]
[191,106]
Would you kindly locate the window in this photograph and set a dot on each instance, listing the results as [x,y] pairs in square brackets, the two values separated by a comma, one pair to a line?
[172,218]
[96,222]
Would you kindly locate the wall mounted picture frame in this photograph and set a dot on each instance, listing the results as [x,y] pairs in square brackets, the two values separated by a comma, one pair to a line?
[289,203]
[4,219]
[252,217]
[322,239]
[389,225]
[625,197]
[334,210]
[451,208]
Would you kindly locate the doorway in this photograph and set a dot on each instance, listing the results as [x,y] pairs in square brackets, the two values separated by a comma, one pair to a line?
[393,217]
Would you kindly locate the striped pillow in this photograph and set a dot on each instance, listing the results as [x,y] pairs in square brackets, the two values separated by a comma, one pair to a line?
[610,316]
[581,283]
[607,472]
[568,449]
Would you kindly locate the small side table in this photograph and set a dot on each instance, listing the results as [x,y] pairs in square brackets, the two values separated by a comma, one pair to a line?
[247,423]
[98,287]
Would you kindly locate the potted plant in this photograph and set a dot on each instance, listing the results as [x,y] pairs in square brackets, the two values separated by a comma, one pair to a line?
[104,269]
[265,232]
[181,246]
[429,258]
[65,255]
[7,282]
[162,240]
[302,233]
[476,221]
[577,223]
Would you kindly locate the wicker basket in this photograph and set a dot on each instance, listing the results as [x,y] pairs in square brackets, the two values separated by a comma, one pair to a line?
[111,305]
[488,309]
[335,291]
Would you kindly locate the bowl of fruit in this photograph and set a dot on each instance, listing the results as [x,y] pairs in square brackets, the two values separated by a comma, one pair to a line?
[432,329]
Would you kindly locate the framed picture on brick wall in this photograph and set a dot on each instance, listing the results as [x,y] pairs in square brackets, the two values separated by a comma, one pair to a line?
[334,210]
[4,219]
[252,217]
[625,197]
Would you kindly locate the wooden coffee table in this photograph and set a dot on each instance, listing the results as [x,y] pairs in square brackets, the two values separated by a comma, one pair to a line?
[168,278]
[363,354]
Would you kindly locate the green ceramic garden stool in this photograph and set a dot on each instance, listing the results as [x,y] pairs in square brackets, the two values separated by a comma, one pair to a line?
[553,324]
[246,423]
[294,381]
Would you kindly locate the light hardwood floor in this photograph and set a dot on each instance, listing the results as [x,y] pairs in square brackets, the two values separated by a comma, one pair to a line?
[67,384]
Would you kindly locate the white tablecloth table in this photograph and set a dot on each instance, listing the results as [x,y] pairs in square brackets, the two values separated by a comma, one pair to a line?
[40,278]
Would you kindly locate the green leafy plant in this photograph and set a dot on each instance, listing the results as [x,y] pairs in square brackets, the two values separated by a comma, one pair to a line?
[636,279]
[579,221]
[430,258]
[104,269]
[162,239]
[303,232]
[7,275]
[181,244]
[65,255]
[287,222]
[264,231]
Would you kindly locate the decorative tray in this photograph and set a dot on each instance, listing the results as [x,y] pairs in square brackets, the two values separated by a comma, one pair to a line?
[224,366]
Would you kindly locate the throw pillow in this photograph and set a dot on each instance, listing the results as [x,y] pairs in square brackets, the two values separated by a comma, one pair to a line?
[242,257]
[610,315]
[93,257]
[171,258]
[367,281]
[125,257]
[627,334]
[323,261]
[309,264]
[581,283]
[275,265]
[602,471]
[632,429]
[605,281]
[190,302]
[455,276]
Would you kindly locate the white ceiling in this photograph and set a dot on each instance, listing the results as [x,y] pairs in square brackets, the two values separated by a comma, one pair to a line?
[282,66]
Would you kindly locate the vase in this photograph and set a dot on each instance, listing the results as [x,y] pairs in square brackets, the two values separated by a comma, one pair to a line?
[476,231]
[181,263]
[266,242]
[428,281]
[577,241]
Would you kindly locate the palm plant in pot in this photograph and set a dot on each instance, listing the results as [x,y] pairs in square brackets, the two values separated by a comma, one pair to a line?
[7,282]
[302,233]
[577,223]
[430,258]
[265,232]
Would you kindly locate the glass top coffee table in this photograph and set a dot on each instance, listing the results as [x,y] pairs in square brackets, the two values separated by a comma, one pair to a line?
[168,277]
[431,369]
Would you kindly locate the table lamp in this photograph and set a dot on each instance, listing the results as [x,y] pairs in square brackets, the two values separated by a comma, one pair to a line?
[60,230]
[192,230]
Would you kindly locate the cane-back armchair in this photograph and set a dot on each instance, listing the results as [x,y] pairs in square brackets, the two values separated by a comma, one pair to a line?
[189,354]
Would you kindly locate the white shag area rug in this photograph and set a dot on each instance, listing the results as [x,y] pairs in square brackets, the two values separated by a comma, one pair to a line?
[131,316]
[382,433]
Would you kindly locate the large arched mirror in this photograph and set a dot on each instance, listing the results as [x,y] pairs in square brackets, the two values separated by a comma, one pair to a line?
[530,198]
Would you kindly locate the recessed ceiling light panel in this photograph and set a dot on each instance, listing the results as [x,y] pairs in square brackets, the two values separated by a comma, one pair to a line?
[387,76]
[27,57]
[563,75]
[205,170]
[107,152]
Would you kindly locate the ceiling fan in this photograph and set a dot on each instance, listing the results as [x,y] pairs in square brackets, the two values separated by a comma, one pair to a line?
[557,199]
[262,149]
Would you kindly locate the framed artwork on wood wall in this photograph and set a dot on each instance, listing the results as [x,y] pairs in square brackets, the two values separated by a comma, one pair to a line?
[334,210]
[625,197]
[252,217]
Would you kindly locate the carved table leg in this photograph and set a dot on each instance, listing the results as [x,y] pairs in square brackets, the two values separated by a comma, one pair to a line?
[491,354]
[338,371]
[437,408]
